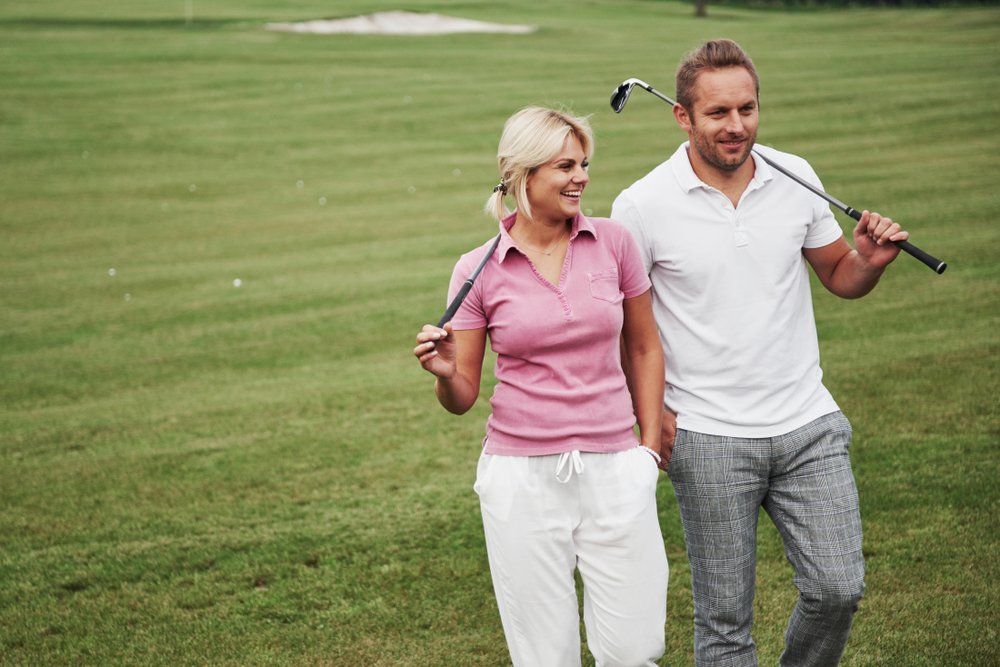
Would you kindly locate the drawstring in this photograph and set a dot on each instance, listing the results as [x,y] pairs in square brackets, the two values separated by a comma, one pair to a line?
[575,464]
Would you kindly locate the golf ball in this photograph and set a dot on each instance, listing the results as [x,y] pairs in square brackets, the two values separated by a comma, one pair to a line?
[237,282]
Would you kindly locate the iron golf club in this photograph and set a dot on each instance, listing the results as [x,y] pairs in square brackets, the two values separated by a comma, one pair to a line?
[467,285]
[621,94]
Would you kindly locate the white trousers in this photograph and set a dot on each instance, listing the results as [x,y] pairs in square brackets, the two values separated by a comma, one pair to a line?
[546,515]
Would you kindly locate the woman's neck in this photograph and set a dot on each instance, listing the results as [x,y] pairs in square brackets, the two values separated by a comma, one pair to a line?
[546,239]
[539,233]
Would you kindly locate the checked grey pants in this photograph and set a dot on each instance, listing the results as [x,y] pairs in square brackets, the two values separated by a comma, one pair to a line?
[804,482]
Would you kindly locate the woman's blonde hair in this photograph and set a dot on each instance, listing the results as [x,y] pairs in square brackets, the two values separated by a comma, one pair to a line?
[532,137]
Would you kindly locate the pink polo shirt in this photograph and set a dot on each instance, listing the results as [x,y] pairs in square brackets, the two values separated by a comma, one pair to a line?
[560,385]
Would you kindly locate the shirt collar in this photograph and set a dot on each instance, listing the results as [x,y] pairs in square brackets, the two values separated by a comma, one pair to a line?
[689,180]
[580,224]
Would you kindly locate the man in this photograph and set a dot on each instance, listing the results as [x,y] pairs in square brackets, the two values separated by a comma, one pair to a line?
[726,240]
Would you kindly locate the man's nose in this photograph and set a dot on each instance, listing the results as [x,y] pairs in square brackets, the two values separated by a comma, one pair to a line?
[734,122]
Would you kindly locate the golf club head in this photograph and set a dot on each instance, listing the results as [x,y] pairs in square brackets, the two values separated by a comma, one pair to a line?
[620,95]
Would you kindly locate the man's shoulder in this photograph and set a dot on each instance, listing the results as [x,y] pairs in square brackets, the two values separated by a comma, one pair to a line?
[787,160]
[608,228]
[653,182]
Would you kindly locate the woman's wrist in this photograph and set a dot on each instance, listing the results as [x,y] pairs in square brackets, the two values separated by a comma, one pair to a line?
[655,453]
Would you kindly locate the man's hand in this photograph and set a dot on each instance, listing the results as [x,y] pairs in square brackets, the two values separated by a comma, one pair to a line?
[668,432]
[873,238]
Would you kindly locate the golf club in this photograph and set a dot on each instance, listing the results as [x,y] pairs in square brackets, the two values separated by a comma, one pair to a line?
[621,94]
[467,285]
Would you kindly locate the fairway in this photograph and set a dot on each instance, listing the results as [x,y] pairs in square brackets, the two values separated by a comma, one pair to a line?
[217,243]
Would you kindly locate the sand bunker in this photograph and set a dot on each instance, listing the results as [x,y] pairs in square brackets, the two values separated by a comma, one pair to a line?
[399,23]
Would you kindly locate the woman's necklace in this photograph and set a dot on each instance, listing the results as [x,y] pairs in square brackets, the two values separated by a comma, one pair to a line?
[551,249]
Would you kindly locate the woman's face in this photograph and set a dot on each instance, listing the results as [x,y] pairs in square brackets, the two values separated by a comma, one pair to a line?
[555,188]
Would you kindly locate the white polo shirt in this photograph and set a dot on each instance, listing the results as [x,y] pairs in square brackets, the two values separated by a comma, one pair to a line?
[731,294]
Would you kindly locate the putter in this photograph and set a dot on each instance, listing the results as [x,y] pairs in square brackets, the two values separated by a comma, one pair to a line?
[621,94]
[467,285]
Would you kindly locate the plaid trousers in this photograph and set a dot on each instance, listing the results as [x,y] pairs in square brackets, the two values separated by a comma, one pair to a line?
[803,480]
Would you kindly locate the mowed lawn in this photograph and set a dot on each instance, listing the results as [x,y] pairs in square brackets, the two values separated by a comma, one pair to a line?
[217,243]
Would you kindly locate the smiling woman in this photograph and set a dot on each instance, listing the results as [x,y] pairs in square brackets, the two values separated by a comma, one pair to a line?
[563,482]
[399,23]
[195,473]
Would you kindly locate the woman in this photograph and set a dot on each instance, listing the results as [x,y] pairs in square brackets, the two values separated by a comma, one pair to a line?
[562,481]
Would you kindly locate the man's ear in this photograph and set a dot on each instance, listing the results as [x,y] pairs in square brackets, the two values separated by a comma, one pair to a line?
[682,117]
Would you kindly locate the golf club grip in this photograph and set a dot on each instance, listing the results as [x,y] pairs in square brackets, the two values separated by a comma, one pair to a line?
[455,303]
[930,260]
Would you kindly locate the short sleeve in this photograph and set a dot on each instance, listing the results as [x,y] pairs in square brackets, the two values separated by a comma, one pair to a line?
[824,228]
[634,276]
[625,212]
[471,314]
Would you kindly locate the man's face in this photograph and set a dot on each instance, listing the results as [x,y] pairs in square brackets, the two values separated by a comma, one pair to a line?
[722,125]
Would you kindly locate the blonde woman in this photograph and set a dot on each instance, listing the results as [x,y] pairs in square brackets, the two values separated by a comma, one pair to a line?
[563,481]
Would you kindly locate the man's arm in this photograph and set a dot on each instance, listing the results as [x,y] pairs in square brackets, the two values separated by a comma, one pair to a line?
[853,273]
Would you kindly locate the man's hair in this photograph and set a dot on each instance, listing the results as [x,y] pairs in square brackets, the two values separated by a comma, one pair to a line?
[712,55]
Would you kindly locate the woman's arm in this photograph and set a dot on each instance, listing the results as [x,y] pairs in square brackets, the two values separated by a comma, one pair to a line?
[643,362]
[456,359]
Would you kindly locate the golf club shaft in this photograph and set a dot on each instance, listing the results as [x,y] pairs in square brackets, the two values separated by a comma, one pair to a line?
[466,286]
[621,94]
[933,262]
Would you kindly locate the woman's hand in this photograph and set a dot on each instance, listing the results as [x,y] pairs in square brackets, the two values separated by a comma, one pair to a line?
[435,350]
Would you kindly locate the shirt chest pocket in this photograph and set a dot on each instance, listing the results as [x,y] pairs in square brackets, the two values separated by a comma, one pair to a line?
[604,285]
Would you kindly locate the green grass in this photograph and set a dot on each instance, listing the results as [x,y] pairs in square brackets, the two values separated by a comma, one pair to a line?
[193,473]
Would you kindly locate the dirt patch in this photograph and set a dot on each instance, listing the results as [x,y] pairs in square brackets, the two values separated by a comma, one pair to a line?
[399,23]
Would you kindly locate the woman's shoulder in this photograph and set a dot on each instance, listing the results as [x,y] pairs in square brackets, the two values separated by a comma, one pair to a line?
[472,258]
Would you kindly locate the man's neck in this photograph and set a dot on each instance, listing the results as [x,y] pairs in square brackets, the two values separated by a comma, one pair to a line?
[730,183]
